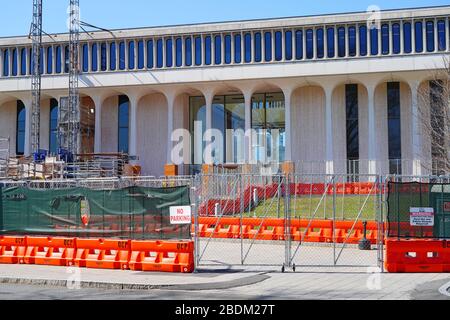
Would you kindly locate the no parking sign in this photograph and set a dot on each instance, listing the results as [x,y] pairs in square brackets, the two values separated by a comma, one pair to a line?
[180,215]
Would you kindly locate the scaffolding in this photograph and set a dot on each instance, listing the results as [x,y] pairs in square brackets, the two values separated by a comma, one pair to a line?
[36,35]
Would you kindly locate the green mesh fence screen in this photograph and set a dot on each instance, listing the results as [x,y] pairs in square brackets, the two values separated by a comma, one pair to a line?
[130,213]
[418,210]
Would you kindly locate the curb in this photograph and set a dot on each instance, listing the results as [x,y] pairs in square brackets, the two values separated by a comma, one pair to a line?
[142,287]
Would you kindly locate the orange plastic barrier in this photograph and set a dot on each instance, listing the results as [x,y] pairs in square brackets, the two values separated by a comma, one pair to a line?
[275,229]
[417,256]
[12,249]
[103,254]
[50,251]
[162,256]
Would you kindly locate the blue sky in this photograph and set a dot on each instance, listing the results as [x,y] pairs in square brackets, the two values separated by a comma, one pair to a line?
[115,14]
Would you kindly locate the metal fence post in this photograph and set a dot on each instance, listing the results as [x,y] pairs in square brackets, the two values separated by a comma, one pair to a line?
[287,219]
[334,219]
[194,205]
[242,209]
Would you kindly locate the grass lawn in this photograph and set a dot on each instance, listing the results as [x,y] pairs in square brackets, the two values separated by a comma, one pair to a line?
[347,208]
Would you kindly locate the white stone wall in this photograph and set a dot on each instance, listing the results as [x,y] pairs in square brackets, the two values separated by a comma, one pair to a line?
[110,129]
[8,122]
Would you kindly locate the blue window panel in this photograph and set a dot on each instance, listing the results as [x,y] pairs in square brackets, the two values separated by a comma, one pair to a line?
[442,38]
[320,43]
[309,44]
[268,46]
[237,48]
[123,121]
[141,53]
[85,58]
[31,63]
[49,60]
[159,53]
[67,59]
[58,59]
[217,49]
[227,40]
[374,41]
[341,42]
[169,53]
[418,27]
[131,55]
[430,36]
[363,41]
[53,130]
[41,61]
[188,51]
[278,46]
[198,51]
[94,57]
[14,62]
[288,45]
[179,52]
[330,43]
[23,64]
[122,64]
[248,47]
[407,37]
[299,45]
[385,39]
[208,50]
[20,128]
[352,41]
[258,47]
[396,38]
[150,54]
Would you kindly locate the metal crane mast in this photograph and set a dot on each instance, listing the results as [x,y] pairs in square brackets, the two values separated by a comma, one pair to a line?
[36,34]
[74,129]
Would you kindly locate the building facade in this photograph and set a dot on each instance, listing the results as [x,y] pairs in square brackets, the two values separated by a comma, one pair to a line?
[341,94]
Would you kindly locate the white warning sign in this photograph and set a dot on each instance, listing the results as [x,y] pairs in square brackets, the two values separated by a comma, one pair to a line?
[180,215]
[422,217]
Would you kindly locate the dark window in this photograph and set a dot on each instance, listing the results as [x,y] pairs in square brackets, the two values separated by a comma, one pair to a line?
[20,128]
[122,55]
[288,45]
[320,43]
[179,52]
[248,47]
[169,53]
[150,54]
[58,59]
[23,63]
[41,61]
[374,41]
[14,62]
[123,120]
[299,45]
[394,127]
[396,38]
[268,46]
[141,54]
[217,49]
[363,41]
[407,37]
[159,53]
[237,48]
[442,43]
[352,41]
[258,47]
[198,51]
[419,36]
[131,55]
[53,139]
[188,52]
[278,46]
[430,36]
[352,112]
[385,39]
[227,40]
[309,44]
[94,57]
[85,58]
[330,43]
[208,50]
[66,59]
[341,42]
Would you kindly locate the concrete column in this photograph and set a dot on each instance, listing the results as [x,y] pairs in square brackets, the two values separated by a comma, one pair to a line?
[372,136]
[28,117]
[329,130]
[133,125]
[248,125]
[98,102]
[170,126]
[288,128]
[415,129]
